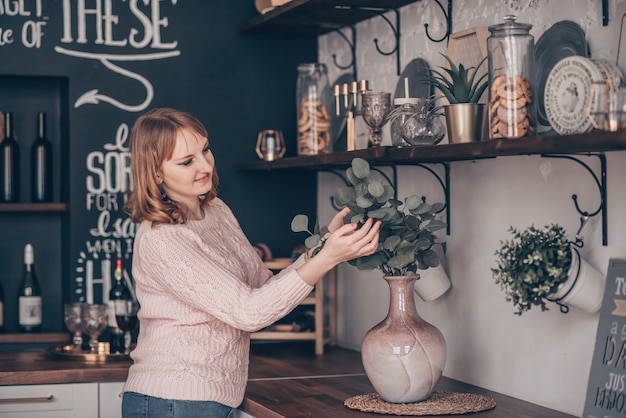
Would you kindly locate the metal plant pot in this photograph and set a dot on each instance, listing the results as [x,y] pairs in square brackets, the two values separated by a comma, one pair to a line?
[465,122]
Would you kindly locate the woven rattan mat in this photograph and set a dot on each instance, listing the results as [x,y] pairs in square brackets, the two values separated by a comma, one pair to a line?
[439,403]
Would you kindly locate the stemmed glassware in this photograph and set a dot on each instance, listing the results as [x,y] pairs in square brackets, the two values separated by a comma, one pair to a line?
[95,319]
[73,322]
[375,106]
[126,317]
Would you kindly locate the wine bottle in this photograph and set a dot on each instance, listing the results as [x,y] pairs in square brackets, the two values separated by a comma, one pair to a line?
[119,291]
[29,301]
[1,309]
[41,164]
[9,164]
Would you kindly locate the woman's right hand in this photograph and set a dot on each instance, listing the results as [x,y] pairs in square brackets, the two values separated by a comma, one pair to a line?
[337,221]
[349,241]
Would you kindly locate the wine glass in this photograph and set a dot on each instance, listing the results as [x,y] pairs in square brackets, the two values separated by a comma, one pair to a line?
[95,319]
[73,322]
[375,107]
[126,317]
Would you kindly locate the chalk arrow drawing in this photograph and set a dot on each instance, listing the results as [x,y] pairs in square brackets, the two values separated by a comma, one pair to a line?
[94,97]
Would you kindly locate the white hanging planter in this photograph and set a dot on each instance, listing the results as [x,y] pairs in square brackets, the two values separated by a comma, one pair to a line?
[584,288]
[432,283]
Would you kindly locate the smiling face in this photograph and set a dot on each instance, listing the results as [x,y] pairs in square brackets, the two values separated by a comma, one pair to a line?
[188,173]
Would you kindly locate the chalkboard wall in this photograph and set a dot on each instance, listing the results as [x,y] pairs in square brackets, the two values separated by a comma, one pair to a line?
[93,73]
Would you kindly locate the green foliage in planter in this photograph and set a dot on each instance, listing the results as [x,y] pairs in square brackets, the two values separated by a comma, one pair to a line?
[406,234]
[532,265]
[459,84]
[424,107]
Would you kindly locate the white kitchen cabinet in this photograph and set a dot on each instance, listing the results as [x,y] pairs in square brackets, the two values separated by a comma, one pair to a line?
[110,405]
[72,400]
[76,400]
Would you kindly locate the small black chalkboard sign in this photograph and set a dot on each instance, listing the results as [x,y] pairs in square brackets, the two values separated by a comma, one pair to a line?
[606,390]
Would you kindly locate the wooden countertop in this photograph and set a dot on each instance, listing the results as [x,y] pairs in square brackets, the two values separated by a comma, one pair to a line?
[40,367]
[286,380]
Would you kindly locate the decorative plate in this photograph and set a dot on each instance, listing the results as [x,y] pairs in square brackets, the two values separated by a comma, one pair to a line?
[567,93]
[561,40]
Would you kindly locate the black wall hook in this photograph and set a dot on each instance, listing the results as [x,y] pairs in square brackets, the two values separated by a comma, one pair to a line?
[396,33]
[600,182]
[352,44]
[448,16]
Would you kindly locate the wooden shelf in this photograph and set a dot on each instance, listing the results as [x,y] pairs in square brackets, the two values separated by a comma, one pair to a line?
[597,141]
[317,17]
[35,338]
[325,330]
[33,207]
[278,263]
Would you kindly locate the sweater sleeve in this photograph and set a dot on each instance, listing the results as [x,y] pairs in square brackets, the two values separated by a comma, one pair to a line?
[181,263]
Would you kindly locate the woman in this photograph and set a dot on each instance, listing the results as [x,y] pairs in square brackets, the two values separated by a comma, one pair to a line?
[202,287]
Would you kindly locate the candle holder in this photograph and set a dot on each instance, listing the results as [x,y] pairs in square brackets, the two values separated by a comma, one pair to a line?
[349,92]
[270,145]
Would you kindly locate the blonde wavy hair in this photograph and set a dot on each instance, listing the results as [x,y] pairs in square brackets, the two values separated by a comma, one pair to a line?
[152,141]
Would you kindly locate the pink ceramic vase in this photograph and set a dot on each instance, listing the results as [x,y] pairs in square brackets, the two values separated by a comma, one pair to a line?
[404,355]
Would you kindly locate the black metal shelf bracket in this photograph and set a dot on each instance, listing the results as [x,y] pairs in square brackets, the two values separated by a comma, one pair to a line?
[352,44]
[448,16]
[600,182]
[345,181]
[396,33]
[445,186]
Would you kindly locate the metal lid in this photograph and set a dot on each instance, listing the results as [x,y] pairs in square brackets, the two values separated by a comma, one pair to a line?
[510,27]
[405,100]
[312,67]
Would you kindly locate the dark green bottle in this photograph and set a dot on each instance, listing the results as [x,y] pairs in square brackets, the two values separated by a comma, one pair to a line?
[9,164]
[41,164]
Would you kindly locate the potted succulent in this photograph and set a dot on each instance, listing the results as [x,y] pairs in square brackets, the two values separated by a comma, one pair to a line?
[405,246]
[540,265]
[463,89]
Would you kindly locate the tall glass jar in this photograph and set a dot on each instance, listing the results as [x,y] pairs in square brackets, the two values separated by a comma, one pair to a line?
[511,50]
[313,106]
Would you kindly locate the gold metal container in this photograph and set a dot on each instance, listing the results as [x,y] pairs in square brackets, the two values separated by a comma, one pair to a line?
[464,122]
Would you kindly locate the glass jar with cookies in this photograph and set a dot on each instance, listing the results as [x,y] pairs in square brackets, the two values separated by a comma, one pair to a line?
[313,105]
[512,107]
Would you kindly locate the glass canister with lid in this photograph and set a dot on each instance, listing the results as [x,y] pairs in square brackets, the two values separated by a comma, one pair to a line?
[511,50]
[402,108]
[313,109]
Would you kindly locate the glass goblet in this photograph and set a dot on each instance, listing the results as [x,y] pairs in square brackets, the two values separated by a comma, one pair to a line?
[73,322]
[126,317]
[95,319]
[375,107]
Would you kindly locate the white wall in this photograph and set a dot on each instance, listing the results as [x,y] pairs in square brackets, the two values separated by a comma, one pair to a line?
[541,357]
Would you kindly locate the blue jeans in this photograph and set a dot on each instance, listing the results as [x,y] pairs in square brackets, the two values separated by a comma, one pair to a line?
[136,405]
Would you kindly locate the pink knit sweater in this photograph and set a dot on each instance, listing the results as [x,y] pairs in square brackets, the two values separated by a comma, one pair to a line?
[202,290]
